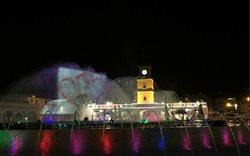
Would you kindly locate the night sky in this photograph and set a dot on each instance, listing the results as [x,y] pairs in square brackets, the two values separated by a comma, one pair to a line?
[198,46]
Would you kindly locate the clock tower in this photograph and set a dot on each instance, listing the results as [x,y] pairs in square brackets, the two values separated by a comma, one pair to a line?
[145,86]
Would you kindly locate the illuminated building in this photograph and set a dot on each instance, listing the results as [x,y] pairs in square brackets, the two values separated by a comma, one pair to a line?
[146,108]
[21,108]
[71,104]
[145,86]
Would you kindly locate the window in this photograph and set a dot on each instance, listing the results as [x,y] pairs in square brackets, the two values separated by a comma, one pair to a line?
[144,98]
[144,85]
[36,101]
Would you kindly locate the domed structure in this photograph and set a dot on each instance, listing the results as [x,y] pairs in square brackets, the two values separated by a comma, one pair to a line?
[59,106]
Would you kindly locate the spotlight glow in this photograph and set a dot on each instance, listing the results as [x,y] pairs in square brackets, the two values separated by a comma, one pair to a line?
[240,137]
[46,142]
[5,139]
[205,139]
[186,142]
[78,142]
[136,141]
[161,144]
[107,144]
[16,145]
[226,137]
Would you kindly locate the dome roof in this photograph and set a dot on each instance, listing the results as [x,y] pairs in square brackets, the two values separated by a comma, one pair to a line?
[59,106]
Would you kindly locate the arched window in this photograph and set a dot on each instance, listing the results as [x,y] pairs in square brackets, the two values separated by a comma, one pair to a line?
[144,98]
[144,85]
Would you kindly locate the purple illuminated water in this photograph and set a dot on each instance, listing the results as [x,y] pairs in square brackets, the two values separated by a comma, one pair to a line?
[136,141]
[186,142]
[16,144]
[78,142]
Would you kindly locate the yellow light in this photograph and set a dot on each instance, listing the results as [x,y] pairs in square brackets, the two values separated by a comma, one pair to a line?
[229,104]
[248,98]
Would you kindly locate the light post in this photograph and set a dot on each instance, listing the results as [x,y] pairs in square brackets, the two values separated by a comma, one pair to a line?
[232,104]
[236,106]
[248,104]
[229,106]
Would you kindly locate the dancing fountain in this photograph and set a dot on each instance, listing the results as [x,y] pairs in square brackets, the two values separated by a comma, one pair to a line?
[93,115]
[93,96]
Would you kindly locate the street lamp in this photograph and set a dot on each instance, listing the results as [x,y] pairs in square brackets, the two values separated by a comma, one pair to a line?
[229,104]
[248,103]
[236,106]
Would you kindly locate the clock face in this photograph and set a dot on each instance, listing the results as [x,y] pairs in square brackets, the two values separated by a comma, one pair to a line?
[144,72]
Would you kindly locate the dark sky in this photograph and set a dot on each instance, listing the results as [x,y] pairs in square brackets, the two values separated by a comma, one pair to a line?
[198,46]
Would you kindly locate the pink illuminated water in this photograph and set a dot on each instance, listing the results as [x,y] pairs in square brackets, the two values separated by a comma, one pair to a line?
[240,137]
[78,142]
[226,137]
[205,139]
[186,142]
